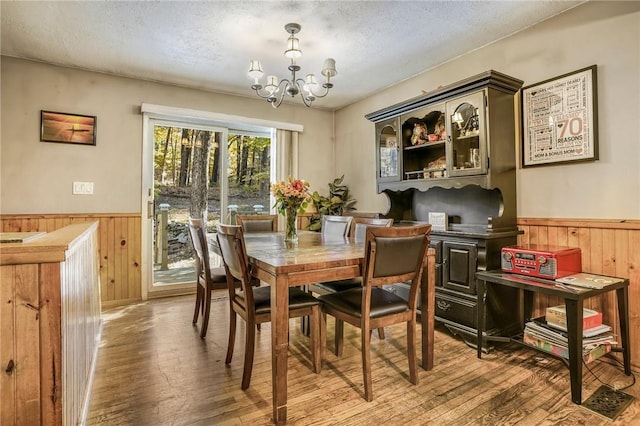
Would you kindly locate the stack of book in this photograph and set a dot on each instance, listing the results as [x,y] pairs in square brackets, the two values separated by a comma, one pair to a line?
[550,334]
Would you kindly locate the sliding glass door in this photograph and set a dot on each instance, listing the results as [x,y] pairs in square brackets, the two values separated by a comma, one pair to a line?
[236,168]
[182,152]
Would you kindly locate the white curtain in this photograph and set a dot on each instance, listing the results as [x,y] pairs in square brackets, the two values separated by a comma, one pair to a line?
[287,154]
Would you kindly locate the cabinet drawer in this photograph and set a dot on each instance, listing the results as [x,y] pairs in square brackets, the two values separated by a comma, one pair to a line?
[457,310]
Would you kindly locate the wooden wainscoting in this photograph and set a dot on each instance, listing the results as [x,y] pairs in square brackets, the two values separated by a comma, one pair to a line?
[50,314]
[119,247]
[609,248]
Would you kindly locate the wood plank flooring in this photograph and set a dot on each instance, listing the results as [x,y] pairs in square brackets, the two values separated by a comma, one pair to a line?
[153,369]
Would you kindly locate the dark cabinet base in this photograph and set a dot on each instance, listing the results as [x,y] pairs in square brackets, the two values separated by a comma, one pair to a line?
[470,334]
[459,313]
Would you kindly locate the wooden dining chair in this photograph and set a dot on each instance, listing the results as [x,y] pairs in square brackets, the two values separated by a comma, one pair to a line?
[391,255]
[254,304]
[207,278]
[358,230]
[258,223]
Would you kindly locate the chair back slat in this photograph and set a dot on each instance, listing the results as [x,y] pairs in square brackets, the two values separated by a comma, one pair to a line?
[336,226]
[393,255]
[201,250]
[234,254]
[359,226]
[397,255]
[258,223]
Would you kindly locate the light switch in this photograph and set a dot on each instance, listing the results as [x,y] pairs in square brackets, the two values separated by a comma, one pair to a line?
[83,188]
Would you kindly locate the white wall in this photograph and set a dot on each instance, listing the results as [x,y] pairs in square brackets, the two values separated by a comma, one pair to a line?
[36,177]
[603,33]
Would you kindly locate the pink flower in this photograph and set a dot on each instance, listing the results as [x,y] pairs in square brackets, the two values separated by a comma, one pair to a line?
[292,193]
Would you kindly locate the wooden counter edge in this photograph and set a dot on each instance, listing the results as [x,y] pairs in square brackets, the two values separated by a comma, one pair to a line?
[51,247]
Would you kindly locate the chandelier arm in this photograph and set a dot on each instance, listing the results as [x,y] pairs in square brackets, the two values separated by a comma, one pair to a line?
[257,89]
[326,86]
[274,100]
[307,99]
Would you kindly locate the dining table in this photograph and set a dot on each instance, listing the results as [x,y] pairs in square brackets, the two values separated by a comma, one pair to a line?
[312,259]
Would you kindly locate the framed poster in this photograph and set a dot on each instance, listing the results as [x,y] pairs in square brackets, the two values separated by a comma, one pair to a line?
[560,119]
[67,128]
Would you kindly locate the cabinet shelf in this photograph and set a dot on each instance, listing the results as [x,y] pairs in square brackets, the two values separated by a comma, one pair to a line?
[424,145]
[436,169]
[475,135]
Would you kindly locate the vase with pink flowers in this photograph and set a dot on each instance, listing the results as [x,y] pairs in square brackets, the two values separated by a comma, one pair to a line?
[292,197]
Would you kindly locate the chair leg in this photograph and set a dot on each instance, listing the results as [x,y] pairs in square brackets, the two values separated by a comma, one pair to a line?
[315,339]
[411,352]
[207,309]
[232,336]
[323,337]
[304,326]
[199,300]
[381,333]
[366,364]
[304,321]
[339,341]
[250,344]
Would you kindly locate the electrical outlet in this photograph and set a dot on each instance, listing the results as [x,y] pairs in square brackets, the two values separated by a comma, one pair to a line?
[83,188]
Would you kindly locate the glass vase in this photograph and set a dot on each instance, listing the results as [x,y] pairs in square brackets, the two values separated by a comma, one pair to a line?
[291,231]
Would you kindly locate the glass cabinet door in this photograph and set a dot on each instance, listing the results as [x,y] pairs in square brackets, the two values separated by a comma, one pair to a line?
[388,148]
[466,148]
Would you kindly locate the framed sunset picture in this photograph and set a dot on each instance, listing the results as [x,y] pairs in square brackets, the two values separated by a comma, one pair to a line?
[67,128]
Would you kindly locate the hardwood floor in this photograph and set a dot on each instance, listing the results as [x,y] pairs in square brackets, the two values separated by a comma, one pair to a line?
[153,369]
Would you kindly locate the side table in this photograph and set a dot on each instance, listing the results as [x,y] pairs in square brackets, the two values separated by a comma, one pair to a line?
[574,302]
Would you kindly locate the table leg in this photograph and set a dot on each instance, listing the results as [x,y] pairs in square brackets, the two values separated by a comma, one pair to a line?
[527,300]
[427,309]
[279,347]
[574,330]
[481,301]
[622,295]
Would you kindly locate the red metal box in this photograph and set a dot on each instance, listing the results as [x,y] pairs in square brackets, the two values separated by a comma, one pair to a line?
[541,261]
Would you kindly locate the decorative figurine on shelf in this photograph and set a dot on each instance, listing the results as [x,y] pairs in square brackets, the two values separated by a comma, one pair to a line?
[474,123]
[419,135]
[439,163]
[439,129]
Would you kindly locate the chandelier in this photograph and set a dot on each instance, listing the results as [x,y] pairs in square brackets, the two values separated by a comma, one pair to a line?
[308,88]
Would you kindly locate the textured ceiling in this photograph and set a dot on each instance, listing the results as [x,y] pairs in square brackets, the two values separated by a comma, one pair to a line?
[208,45]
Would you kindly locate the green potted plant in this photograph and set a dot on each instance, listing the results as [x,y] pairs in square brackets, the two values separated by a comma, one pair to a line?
[337,203]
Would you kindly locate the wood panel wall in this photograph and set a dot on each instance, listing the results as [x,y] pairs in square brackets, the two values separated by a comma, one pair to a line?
[608,248]
[119,248]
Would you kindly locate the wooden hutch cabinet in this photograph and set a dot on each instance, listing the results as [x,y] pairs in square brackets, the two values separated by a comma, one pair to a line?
[453,151]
